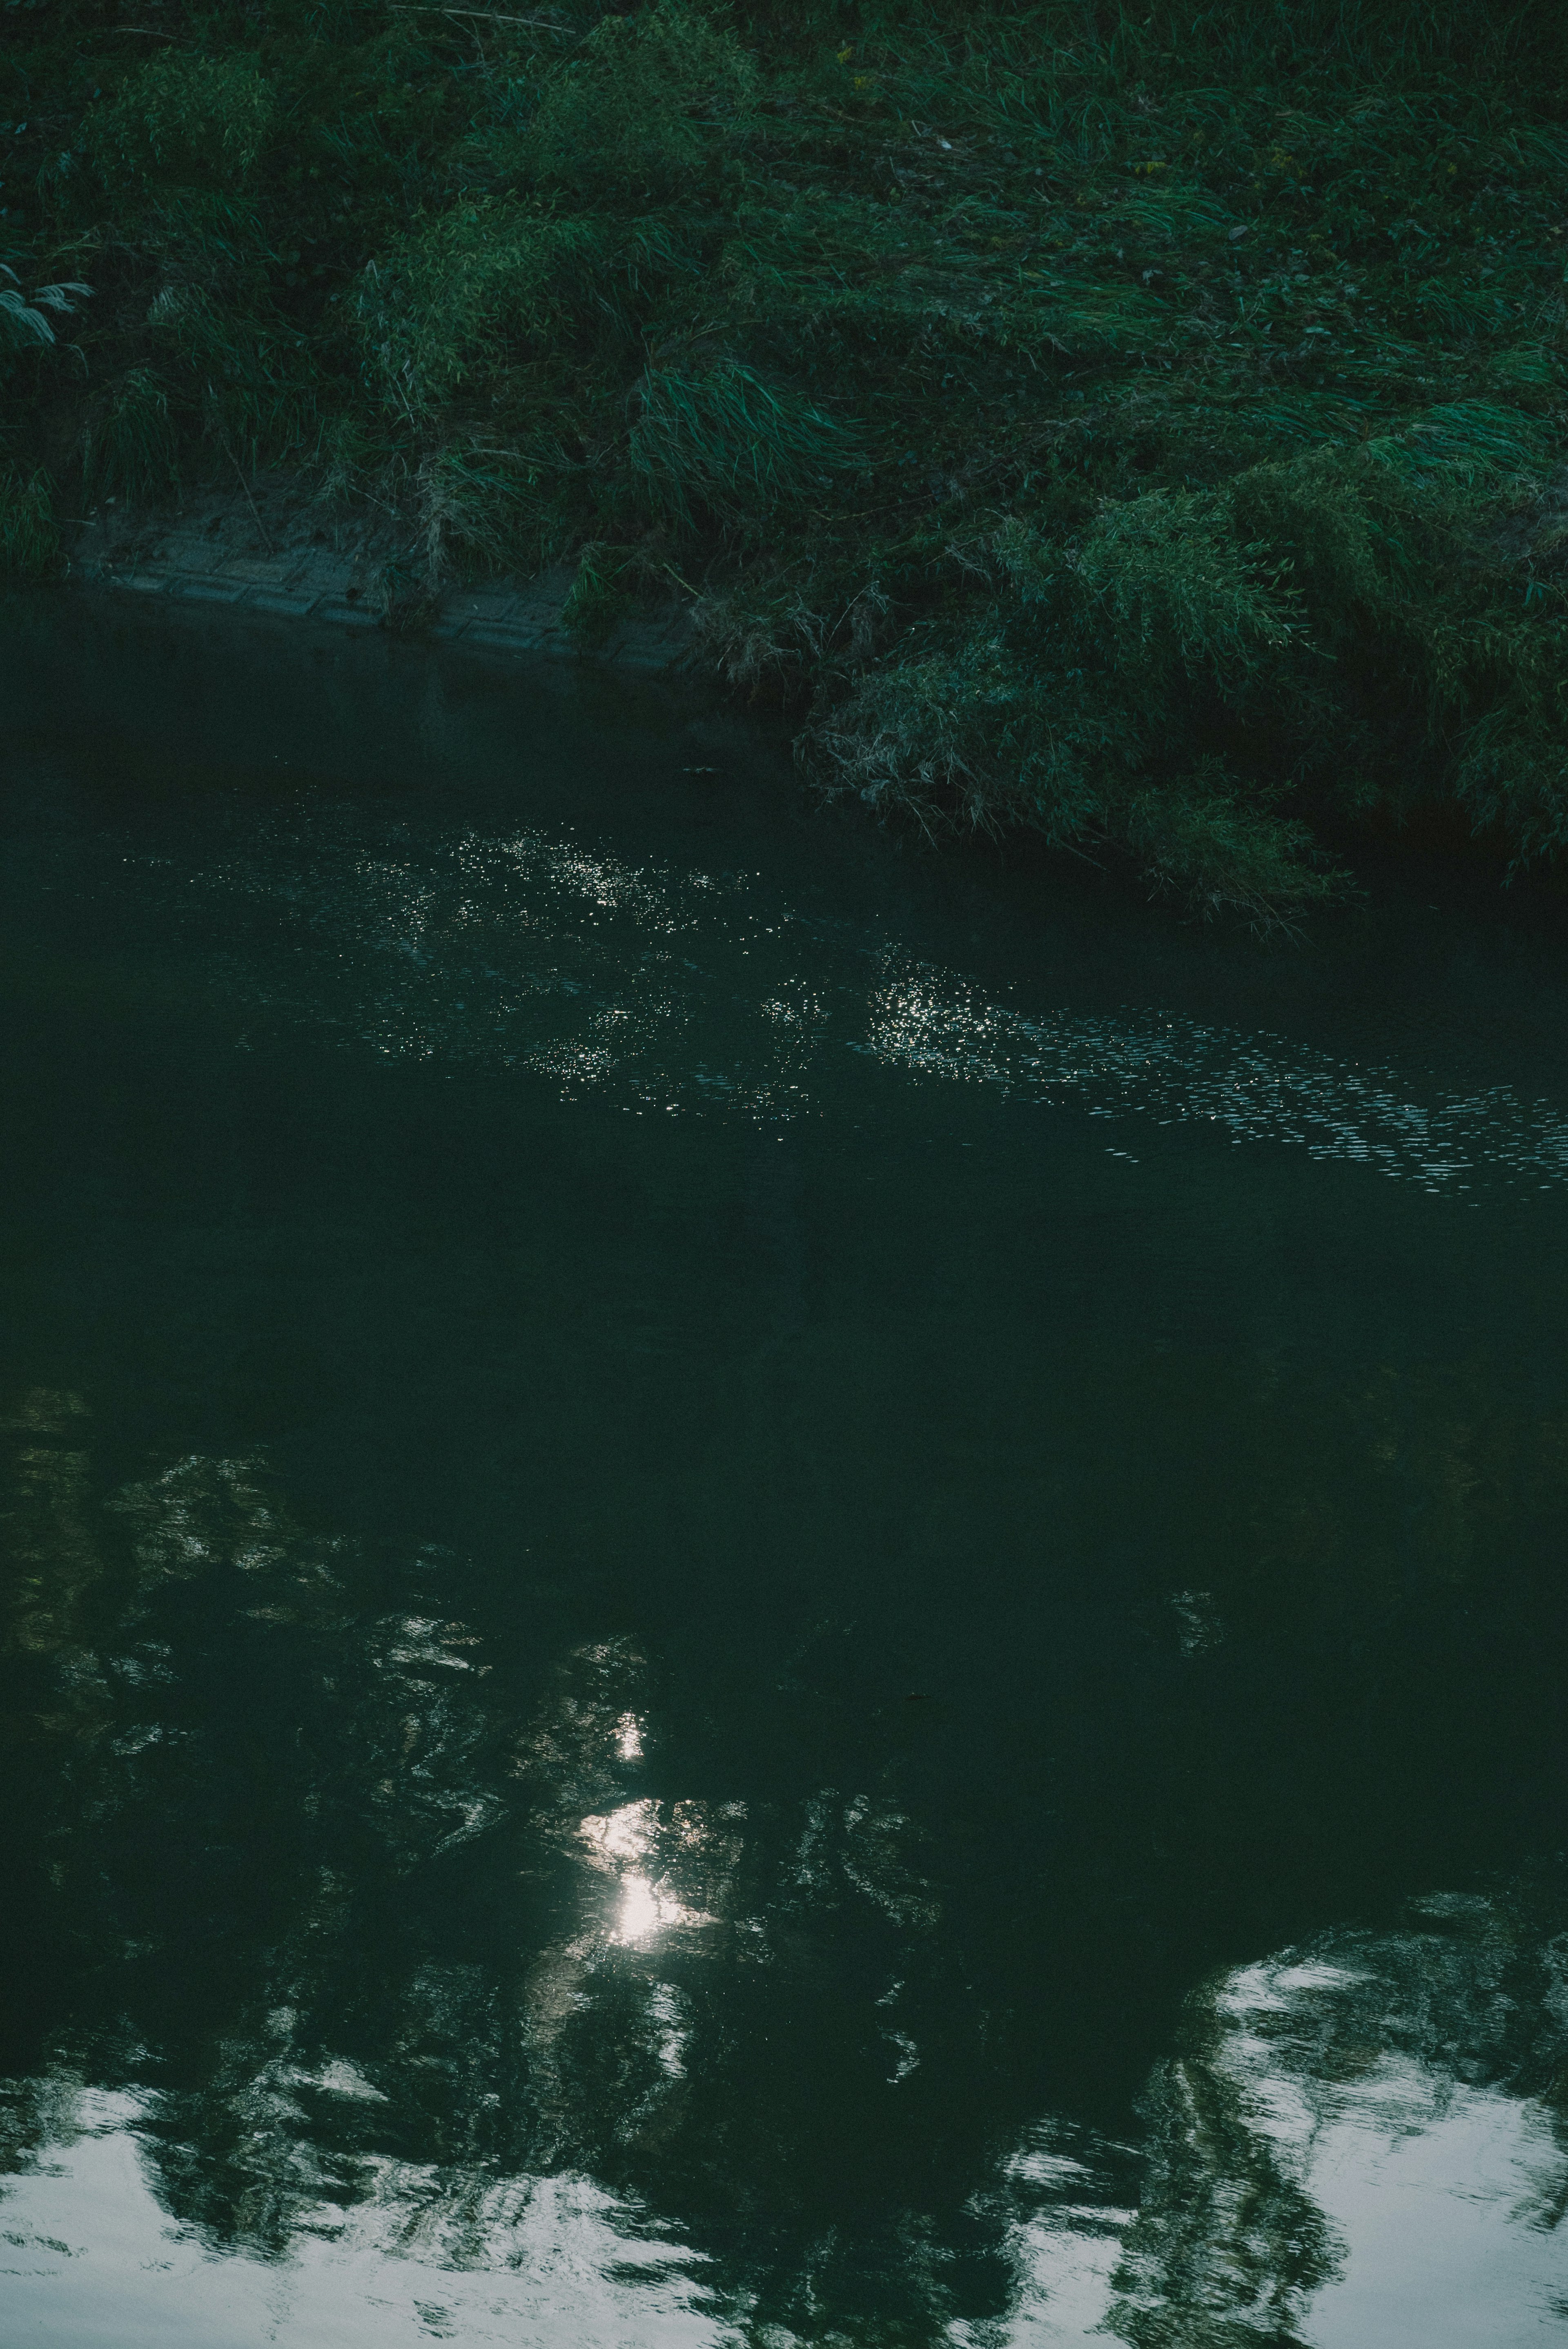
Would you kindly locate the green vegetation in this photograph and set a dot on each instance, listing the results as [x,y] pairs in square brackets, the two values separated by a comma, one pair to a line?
[1141,426]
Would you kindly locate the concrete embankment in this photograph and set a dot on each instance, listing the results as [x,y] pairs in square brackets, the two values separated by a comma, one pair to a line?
[267,549]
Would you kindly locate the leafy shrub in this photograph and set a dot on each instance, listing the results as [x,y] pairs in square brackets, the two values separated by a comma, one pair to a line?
[641,103]
[1212,837]
[188,121]
[988,739]
[210,239]
[1343,546]
[240,370]
[1512,763]
[978,735]
[597,597]
[22,323]
[1457,448]
[29,540]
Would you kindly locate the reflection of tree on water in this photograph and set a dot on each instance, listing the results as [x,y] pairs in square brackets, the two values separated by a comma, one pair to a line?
[1379,2037]
[397,1925]
[1227,2248]
[401,1919]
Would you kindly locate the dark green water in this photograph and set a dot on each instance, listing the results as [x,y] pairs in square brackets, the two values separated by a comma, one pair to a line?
[756,1590]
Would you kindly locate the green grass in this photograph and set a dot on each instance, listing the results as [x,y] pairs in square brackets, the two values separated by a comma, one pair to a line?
[29,539]
[1142,426]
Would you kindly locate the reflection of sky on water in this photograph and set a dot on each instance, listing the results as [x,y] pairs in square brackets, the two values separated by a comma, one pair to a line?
[673,991]
[1439,2202]
[1323,2168]
[91,2257]
[1343,2140]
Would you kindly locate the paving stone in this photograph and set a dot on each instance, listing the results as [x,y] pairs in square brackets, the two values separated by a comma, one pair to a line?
[519,618]
[261,571]
[503,640]
[498,610]
[345,615]
[279,600]
[637,656]
[205,591]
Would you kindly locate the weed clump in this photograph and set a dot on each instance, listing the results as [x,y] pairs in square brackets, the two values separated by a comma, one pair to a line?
[1149,430]
[719,443]
[128,447]
[29,539]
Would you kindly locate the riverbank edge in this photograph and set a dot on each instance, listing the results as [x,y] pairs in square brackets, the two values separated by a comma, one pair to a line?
[217,550]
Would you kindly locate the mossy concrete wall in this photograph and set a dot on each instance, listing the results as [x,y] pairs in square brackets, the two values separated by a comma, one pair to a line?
[268,549]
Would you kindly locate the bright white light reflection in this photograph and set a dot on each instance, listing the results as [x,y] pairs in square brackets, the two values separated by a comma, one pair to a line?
[420,2252]
[1443,2195]
[629,1737]
[624,1842]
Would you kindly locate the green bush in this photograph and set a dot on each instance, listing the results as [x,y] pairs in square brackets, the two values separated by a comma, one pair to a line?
[1510,767]
[1341,546]
[187,120]
[237,371]
[484,506]
[980,735]
[1172,590]
[24,319]
[992,738]
[1215,840]
[597,597]
[642,103]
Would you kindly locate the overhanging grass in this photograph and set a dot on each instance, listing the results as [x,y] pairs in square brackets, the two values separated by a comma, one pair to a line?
[1144,427]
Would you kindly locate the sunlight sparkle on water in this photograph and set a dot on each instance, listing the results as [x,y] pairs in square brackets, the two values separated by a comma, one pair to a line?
[624,1842]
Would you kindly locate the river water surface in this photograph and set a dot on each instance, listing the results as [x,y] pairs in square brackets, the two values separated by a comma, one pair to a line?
[758,1590]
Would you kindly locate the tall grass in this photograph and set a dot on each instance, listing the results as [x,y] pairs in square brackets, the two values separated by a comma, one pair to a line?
[29,538]
[128,447]
[1144,426]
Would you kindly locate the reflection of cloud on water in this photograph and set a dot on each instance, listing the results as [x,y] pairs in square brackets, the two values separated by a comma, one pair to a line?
[1363,2141]
[420,2253]
[671,990]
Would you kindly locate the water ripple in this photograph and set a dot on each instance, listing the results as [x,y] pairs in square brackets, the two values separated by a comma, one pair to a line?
[1258,1088]
[685,991]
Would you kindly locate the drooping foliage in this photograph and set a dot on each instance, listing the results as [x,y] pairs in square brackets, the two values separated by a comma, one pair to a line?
[1145,429]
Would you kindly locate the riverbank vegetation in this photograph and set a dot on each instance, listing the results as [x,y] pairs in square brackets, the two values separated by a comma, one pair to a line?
[1143,426]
